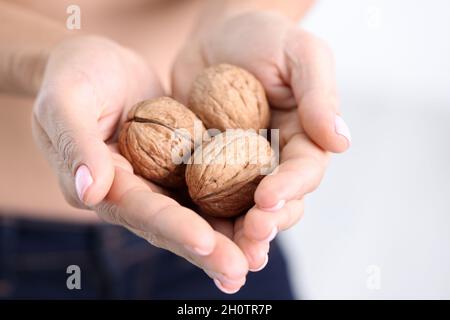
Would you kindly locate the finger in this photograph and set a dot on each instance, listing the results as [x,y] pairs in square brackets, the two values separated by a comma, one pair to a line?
[302,167]
[160,216]
[119,160]
[188,65]
[255,251]
[312,78]
[228,277]
[222,225]
[261,225]
[226,265]
[166,224]
[70,124]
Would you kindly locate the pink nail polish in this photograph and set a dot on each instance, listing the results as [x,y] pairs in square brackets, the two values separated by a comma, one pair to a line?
[262,266]
[223,289]
[83,179]
[342,128]
[276,207]
[272,235]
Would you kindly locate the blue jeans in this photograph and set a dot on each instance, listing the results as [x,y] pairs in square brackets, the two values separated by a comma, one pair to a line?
[114,264]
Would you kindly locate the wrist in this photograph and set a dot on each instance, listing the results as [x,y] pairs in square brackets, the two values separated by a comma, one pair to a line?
[22,70]
[22,67]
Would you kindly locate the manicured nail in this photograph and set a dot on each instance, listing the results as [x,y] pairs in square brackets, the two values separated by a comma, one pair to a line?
[223,289]
[276,207]
[198,251]
[342,128]
[225,281]
[272,235]
[262,266]
[83,179]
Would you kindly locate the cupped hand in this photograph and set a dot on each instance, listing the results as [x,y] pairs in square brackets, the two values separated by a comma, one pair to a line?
[297,72]
[88,86]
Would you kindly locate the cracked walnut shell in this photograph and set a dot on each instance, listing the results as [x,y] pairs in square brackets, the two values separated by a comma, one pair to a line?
[152,141]
[222,175]
[228,97]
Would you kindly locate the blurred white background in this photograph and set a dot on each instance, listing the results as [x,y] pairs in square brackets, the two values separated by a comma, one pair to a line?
[379,225]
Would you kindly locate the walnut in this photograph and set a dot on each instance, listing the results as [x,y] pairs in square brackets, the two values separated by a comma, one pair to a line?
[223,174]
[227,97]
[152,141]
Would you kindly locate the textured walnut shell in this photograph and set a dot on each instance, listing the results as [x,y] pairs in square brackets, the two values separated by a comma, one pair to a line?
[147,139]
[222,175]
[228,97]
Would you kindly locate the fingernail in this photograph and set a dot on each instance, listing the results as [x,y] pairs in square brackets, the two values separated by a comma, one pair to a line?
[223,289]
[225,281]
[83,179]
[276,207]
[262,266]
[272,235]
[198,251]
[342,128]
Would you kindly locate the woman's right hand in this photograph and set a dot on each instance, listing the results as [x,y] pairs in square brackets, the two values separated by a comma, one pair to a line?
[88,86]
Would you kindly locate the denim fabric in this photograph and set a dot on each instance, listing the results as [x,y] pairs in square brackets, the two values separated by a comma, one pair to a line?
[114,263]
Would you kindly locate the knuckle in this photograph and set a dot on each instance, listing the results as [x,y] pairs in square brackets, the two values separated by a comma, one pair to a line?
[66,148]
[45,114]
[110,213]
[153,239]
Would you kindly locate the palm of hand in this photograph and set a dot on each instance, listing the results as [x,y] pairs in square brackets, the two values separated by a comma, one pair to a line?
[99,79]
[296,71]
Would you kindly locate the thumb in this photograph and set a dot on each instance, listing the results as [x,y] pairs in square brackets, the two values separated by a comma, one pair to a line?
[93,164]
[69,135]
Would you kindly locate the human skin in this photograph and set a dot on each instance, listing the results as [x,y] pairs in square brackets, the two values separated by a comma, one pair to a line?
[297,72]
[38,27]
[90,82]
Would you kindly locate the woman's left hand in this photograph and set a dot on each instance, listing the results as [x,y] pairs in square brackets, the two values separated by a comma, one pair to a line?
[296,70]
